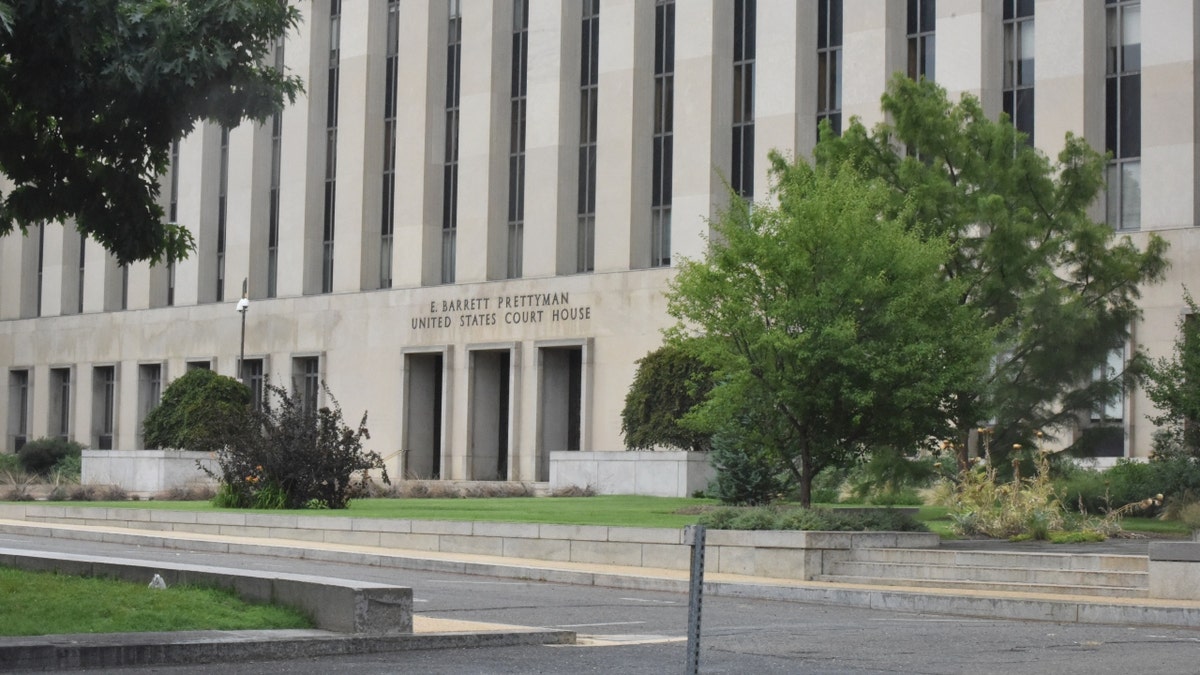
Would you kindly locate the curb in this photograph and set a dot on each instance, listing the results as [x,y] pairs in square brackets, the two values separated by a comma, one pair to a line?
[112,650]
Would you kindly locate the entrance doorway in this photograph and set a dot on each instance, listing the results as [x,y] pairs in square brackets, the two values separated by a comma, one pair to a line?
[423,415]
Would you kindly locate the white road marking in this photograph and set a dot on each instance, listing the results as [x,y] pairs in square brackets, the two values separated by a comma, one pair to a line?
[588,625]
[657,602]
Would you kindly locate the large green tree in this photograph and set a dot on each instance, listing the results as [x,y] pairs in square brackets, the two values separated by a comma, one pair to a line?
[1059,289]
[830,330]
[93,92]
[1173,384]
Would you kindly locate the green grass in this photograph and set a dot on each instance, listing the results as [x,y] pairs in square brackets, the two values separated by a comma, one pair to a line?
[614,510]
[45,603]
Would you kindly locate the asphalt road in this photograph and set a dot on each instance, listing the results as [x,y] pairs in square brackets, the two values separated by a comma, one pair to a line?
[625,631]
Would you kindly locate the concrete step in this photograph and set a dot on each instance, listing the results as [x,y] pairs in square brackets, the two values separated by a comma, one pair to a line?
[1074,574]
[1063,561]
[978,573]
[1089,591]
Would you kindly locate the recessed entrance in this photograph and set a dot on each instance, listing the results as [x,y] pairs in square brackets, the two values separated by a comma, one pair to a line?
[423,416]
[487,455]
[561,396]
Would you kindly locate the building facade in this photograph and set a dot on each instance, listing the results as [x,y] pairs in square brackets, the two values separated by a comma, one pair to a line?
[466,224]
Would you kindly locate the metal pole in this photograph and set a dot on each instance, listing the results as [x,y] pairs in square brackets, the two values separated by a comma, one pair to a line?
[694,535]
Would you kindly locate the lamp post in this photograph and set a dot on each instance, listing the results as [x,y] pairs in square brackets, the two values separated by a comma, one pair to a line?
[242,307]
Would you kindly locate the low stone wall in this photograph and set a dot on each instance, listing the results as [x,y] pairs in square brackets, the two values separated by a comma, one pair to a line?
[146,472]
[333,604]
[785,555]
[658,474]
[1175,570]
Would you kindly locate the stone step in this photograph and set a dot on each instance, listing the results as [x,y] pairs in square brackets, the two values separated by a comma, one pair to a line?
[1057,589]
[1058,561]
[981,574]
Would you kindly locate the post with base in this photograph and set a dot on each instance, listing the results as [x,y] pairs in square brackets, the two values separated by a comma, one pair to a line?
[693,535]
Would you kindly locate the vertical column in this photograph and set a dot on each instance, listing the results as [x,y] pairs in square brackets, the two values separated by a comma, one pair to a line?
[18,274]
[625,133]
[302,160]
[247,210]
[125,417]
[101,279]
[360,145]
[873,35]
[552,138]
[54,271]
[1170,101]
[484,140]
[703,116]
[1069,73]
[785,92]
[199,174]
[419,150]
[970,34]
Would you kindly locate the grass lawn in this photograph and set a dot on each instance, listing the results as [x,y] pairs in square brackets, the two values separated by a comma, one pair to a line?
[614,510]
[45,603]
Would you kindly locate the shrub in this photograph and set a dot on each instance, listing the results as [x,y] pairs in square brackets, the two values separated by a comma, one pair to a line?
[746,472]
[670,381]
[40,456]
[829,520]
[293,456]
[200,411]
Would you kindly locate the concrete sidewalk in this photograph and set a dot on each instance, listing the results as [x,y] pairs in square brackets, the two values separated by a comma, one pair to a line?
[143,649]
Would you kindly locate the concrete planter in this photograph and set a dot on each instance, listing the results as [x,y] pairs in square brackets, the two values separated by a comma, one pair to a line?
[145,472]
[657,474]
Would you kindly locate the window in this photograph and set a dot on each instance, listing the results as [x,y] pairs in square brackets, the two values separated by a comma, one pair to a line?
[1018,65]
[104,405]
[306,380]
[273,199]
[1113,410]
[204,364]
[253,374]
[450,168]
[589,92]
[742,174]
[829,65]
[387,225]
[60,403]
[80,278]
[516,142]
[222,213]
[149,391]
[922,20]
[41,265]
[664,128]
[18,408]
[1123,113]
[173,214]
[331,130]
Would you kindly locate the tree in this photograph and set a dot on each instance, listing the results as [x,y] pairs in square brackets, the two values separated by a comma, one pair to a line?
[1057,288]
[200,411]
[93,92]
[830,329]
[670,381]
[1171,384]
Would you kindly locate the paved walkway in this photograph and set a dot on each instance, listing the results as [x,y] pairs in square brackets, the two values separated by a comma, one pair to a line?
[167,648]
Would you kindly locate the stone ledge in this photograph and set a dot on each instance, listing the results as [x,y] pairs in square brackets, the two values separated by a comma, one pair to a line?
[338,605]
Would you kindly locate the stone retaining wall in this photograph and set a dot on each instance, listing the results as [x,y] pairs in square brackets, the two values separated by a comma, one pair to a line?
[785,555]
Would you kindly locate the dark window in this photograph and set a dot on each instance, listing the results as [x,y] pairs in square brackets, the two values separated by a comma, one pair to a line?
[60,403]
[516,138]
[306,380]
[664,132]
[331,133]
[742,169]
[450,156]
[922,21]
[1018,65]
[104,405]
[273,201]
[222,200]
[829,64]
[589,89]
[18,407]
[1123,113]
[173,214]
[252,370]
[149,390]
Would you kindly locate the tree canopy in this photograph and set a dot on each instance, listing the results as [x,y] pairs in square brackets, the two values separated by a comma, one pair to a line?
[829,329]
[93,92]
[1171,383]
[200,411]
[670,381]
[1059,290]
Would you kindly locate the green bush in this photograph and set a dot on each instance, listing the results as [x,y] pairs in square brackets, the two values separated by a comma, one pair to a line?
[827,520]
[670,381]
[747,474]
[200,411]
[1096,492]
[293,456]
[41,455]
